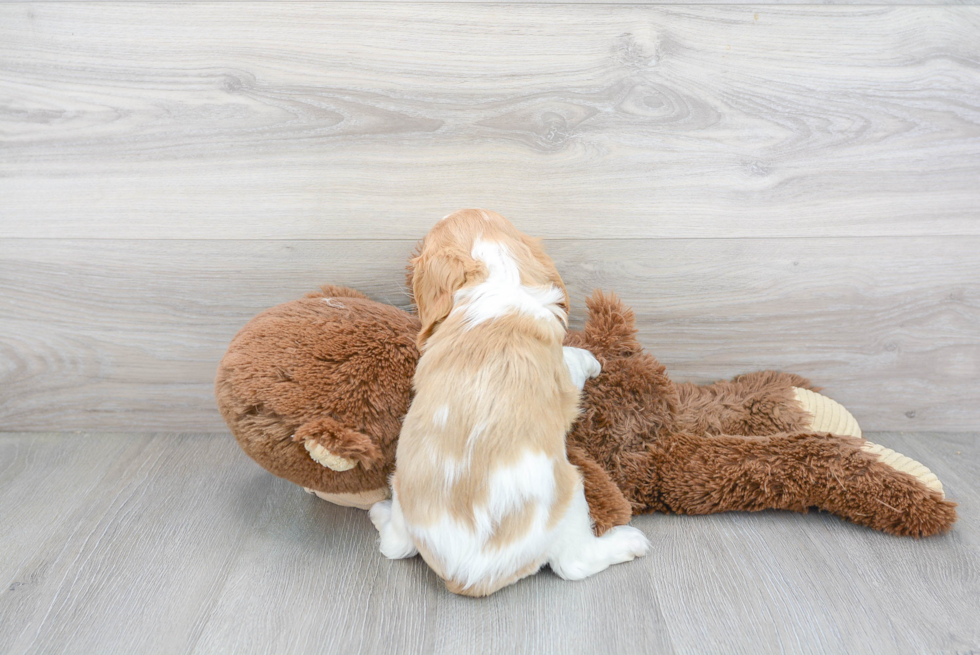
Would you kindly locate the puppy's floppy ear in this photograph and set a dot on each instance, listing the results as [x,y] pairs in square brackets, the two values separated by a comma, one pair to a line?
[436,277]
[542,259]
[410,270]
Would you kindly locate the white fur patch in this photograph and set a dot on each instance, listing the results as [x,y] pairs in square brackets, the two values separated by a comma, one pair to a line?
[462,551]
[569,547]
[530,480]
[440,416]
[502,292]
[387,517]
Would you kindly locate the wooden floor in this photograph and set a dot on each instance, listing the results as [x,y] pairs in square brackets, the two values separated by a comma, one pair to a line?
[178,543]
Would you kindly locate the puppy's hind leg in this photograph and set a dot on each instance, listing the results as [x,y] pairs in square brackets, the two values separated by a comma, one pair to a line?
[387,517]
[577,553]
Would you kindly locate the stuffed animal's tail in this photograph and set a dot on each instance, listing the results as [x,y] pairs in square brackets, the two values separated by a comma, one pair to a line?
[844,475]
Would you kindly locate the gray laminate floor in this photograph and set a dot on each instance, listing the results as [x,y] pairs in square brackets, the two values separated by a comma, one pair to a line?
[179,543]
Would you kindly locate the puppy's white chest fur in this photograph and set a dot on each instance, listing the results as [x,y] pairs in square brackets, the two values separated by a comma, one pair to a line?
[502,291]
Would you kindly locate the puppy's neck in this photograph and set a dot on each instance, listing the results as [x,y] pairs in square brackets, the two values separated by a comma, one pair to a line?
[503,293]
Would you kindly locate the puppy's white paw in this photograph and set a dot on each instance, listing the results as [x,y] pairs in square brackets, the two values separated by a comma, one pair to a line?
[594,368]
[395,543]
[621,544]
[381,515]
[581,364]
[626,543]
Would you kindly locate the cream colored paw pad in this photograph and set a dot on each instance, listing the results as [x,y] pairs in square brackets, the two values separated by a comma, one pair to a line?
[360,500]
[905,464]
[828,414]
[326,458]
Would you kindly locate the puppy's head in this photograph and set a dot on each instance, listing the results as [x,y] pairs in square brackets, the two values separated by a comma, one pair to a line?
[443,263]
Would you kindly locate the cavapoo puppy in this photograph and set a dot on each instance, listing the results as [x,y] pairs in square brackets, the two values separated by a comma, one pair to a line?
[482,487]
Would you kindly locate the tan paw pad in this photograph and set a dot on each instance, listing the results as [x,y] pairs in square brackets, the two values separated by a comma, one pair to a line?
[326,458]
[828,414]
[360,500]
[904,464]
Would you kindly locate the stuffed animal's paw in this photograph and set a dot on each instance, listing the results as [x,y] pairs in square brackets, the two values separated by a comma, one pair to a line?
[827,414]
[900,462]
[358,499]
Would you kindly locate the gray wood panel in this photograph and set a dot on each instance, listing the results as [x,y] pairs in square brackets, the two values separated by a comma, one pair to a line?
[126,335]
[186,546]
[163,506]
[370,120]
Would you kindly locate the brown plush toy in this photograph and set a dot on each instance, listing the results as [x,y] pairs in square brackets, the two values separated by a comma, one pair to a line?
[314,390]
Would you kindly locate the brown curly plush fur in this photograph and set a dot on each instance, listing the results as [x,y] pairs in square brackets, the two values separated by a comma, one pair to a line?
[738,445]
[336,368]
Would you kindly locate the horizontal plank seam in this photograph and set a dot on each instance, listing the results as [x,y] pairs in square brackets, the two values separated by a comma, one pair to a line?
[679,3]
[850,237]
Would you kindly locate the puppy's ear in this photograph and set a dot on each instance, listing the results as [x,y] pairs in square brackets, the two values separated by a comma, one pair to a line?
[410,270]
[436,277]
[542,259]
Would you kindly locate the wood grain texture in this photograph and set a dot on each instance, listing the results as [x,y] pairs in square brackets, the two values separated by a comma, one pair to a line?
[126,335]
[183,545]
[370,120]
[163,511]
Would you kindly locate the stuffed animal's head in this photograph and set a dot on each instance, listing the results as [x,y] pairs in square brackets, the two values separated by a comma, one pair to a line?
[315,390]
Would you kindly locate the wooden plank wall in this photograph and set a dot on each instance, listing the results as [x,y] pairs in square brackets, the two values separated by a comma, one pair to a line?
[792,187]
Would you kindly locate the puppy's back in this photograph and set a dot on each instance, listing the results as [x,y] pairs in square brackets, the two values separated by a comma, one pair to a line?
[482,472]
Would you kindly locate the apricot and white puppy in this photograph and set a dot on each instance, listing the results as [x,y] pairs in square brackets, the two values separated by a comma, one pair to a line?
[483,488]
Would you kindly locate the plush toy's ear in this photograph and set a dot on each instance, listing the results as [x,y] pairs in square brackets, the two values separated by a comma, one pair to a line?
[611,327]
[436,276]
[337,447]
